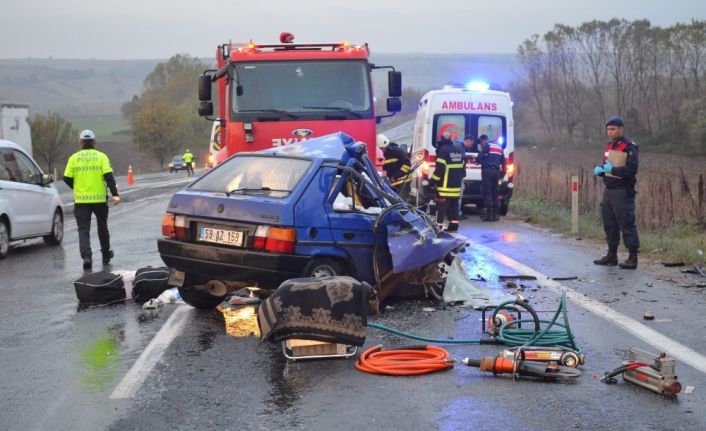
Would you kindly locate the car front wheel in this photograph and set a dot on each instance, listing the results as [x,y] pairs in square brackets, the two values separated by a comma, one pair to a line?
[4,240]
[57,229]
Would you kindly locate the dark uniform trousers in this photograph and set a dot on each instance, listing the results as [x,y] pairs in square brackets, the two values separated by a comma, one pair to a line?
[489,183]
[83,212]
[618,211]
[448,207]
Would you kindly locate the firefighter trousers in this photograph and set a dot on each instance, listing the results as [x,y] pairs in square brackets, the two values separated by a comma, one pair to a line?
[83,212]
[447,207]
[489,184]
[618,212]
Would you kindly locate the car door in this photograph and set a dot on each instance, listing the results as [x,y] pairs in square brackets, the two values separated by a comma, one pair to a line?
[35,206]
[352,218]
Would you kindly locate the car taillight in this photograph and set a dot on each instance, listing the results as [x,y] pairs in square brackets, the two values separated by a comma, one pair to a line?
[168,225]
[260,238]
[280,240]
[427,164]
[174,226]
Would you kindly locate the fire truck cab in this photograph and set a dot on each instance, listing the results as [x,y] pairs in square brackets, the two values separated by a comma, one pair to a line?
[281,94]
[474,110]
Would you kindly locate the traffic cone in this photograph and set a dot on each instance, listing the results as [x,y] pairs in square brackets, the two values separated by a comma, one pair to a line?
[130,176]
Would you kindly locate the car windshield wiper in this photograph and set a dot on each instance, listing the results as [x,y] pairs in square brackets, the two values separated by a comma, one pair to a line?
[274,111]
[255,189]
[335,108]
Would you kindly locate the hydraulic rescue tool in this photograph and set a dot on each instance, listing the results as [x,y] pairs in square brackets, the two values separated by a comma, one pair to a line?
[565,357]
[502,364]
[658,375]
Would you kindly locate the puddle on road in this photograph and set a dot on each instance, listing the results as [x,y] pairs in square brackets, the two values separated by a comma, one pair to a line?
[241,321]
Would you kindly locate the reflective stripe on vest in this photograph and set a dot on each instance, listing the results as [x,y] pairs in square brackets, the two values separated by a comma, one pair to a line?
[622,145]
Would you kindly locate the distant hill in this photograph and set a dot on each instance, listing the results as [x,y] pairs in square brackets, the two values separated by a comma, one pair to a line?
[97,88]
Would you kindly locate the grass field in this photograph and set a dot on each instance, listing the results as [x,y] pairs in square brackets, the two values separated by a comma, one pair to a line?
[671,199]
[105,126]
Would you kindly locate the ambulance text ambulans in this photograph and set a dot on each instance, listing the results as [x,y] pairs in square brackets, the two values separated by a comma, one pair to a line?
[464,110]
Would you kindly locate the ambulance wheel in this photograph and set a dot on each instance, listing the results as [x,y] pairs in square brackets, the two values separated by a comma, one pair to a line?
[201,299]
[324,267]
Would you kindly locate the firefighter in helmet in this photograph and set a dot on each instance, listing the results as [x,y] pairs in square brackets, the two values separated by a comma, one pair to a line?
[447,179]
[396,165]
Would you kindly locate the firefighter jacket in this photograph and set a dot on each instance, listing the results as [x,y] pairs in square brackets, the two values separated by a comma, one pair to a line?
[396,165]
[491,157]
[622,176]
[449,170]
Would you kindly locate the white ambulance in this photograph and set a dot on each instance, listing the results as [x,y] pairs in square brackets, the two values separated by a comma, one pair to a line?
[473,110]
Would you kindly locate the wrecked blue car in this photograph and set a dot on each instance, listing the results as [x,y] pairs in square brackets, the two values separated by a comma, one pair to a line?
[314,209]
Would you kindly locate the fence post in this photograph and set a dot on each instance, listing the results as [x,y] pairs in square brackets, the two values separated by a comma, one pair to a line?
[574,204]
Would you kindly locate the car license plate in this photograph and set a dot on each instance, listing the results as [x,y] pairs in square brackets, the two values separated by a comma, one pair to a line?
[221,236]
[176,278]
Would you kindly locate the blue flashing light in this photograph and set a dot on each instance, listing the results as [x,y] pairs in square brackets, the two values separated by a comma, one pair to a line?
[501,140]
[477,86]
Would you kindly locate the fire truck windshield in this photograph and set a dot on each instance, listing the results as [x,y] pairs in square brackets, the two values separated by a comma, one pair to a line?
[317,89]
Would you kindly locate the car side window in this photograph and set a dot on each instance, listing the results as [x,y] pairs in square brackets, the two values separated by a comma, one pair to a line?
[354,196]
[6,161]
[25,170]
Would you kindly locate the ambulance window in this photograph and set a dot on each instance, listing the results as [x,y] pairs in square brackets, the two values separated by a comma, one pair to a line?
[454,123]
[491,126]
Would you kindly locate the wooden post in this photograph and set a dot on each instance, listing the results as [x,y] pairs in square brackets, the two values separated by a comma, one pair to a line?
[574,204]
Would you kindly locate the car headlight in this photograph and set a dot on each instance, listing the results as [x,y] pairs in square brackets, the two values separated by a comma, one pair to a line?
[171,165]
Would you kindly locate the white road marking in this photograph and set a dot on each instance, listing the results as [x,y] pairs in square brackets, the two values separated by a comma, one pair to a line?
[132,381]
[645,333]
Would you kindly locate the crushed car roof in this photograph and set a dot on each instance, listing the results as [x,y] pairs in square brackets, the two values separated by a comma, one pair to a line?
[336,146]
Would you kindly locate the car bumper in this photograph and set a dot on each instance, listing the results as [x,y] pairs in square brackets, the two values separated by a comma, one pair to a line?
[221,263]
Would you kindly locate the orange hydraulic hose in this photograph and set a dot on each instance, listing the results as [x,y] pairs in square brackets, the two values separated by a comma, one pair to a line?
[404,362]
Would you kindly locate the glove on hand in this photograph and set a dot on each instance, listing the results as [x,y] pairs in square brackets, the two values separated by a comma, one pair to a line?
[608,167]
[597,170]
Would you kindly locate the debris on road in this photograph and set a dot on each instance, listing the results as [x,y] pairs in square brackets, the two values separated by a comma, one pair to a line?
[459,288]
[244,300]
[689,390]
[100,288]
[516,277]
[648,315]
[569,278]
[428,309]
[673,264]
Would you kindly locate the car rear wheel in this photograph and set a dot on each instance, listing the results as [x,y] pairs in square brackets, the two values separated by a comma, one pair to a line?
[57,229]
[201,299]
[4,239]
[324,267]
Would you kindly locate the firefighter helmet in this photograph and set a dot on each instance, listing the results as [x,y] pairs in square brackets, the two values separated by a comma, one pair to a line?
[382,141]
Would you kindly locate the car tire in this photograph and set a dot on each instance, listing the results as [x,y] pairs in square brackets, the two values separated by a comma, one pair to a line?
[4,239]
[324,267]
[201,299]
[57,229]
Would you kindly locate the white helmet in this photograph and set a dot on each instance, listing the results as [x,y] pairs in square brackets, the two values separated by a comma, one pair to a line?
[382,141]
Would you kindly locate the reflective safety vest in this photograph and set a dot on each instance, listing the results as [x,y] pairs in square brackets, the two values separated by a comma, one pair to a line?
[188,157]
[87,168]
[396,165]
[449,170]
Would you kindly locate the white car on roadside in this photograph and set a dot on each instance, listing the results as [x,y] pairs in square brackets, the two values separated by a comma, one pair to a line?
[30,205]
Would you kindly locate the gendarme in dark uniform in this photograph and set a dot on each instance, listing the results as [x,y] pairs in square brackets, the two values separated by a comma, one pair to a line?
[619,170]
[448,178]
[492,161]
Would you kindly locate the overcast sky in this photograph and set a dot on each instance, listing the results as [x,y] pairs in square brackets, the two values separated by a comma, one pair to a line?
[156,29]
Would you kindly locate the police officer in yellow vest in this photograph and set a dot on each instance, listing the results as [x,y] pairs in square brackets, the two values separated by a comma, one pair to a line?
[447,179]
[89,174]
[188,158]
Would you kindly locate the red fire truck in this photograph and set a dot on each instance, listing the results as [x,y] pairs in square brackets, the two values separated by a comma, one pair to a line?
[281,94]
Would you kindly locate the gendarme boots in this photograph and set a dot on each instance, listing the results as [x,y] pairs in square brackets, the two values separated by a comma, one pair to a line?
[488,216]
[610,259]
[631,262]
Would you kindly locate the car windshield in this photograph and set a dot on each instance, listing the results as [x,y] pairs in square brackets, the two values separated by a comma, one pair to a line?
[270,176]
[287,90]
[177,159]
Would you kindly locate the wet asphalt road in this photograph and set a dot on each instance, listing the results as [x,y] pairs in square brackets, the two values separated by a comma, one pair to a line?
[59,366]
